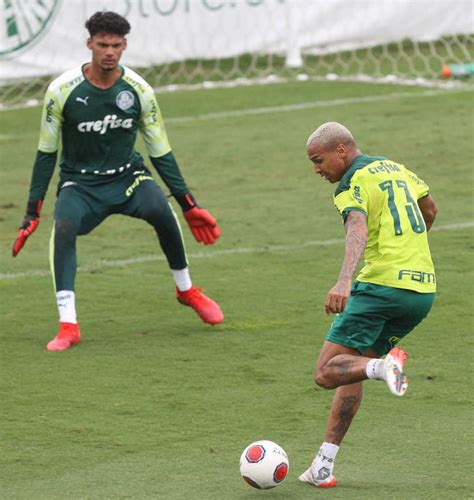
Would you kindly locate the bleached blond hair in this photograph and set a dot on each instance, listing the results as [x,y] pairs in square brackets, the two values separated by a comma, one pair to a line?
[330,134]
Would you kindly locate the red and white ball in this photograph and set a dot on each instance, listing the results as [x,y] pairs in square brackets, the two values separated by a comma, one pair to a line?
[264,464]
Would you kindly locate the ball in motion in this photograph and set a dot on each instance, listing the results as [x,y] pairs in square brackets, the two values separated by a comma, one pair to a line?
[264,464]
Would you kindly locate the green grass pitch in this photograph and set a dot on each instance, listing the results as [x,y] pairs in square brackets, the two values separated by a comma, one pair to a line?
[156,404]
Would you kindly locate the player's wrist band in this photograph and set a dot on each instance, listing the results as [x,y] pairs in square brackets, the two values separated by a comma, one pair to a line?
[33,208]
[186,201]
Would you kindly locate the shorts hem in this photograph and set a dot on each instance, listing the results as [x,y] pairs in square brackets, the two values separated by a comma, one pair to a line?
[348,344]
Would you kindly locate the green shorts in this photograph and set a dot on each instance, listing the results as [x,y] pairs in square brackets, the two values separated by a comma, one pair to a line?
[134,193]
[378,317]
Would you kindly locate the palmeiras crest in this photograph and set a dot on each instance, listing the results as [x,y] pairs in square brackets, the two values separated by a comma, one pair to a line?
[23,23]
[125,100]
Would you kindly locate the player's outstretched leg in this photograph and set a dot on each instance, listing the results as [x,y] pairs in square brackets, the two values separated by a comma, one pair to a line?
[208,310]
[320,472]
[67,336]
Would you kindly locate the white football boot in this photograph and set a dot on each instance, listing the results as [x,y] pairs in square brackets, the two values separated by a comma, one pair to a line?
[319,474]
[393,371]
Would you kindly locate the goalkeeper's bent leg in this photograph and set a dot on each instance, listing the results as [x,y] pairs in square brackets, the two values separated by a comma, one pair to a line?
[150,204]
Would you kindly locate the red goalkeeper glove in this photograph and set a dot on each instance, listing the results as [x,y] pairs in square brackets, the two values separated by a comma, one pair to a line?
[28,226]
[202,224]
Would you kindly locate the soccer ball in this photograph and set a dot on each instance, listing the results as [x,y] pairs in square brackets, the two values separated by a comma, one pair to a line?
[264,464]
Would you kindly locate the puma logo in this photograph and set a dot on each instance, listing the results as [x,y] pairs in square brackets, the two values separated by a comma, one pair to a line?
[83,100]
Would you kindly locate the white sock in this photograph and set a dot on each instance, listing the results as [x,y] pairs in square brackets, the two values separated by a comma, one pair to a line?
[66,300]
[182,279]
[323,464]
[329,450]
[374,369]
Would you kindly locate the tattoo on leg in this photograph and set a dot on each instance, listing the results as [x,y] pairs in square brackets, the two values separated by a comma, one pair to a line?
[345,415]
[345,367]
[342,364]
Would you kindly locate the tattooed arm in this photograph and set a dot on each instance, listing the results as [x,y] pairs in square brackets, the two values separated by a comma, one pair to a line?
[356,240]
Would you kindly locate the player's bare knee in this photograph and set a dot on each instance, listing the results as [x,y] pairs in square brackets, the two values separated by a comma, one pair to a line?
[321,379]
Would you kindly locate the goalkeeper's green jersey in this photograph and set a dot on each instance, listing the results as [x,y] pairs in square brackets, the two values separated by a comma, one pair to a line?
[397,252]
[99,126]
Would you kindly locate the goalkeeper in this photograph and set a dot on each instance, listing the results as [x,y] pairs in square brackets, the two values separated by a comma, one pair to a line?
[97,109]
[387,212]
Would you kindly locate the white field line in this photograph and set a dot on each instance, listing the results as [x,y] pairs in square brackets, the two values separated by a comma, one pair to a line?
[104,264]
[309,105]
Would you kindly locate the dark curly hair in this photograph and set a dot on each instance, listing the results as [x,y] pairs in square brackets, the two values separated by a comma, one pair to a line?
[107,22]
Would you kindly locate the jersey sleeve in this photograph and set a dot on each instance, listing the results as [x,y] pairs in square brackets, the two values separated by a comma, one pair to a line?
[420,186]
[151,125]
[42,172]
[168,169]
[356,197]
[50,132]
[51,121]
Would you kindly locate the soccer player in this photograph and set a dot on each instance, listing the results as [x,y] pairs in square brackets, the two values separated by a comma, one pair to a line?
[387,211]
[97,109]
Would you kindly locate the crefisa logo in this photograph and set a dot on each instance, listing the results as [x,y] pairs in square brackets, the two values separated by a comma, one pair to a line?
[23,22]
[108,122]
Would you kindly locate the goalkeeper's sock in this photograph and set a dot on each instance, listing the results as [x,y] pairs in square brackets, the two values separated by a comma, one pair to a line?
[182,279]
[374,369]
[66,300]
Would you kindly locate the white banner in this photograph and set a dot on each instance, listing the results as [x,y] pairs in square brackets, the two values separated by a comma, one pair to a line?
[47,37]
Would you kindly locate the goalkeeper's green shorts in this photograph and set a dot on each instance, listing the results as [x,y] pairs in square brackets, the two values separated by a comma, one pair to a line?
[378,317]
[134,193]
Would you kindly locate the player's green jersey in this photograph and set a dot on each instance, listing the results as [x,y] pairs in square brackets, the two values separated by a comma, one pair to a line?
[397,252]
[98,127]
